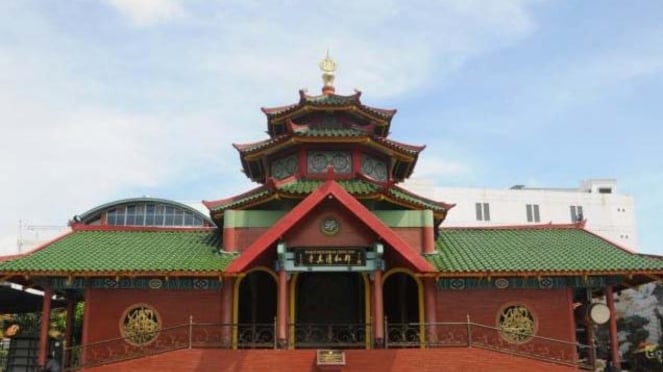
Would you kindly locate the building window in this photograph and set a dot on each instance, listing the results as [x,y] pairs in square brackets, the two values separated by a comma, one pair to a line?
[340,161]
[533,213]
[576,213]
[151,215]
[516,323]
[483,211]
[140,325]
[605,190]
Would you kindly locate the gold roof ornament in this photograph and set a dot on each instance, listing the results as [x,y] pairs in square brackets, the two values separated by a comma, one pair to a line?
[328,67]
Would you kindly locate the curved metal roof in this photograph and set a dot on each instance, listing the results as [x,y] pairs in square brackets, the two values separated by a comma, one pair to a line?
[89,215]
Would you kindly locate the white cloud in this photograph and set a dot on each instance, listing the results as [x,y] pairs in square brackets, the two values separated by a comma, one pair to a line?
[440,168]
[85,122]
[148,12]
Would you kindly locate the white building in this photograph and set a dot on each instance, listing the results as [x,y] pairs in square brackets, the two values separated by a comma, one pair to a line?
[607,213]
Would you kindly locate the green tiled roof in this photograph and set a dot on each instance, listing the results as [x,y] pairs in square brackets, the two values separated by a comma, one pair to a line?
[329,132]
[329,100]
[415,199]
[126,251]
[256,194]
[536,249]
[333,99]
[354,187]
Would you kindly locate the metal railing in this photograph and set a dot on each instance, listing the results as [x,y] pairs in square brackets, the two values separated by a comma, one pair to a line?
[348,336]
[340,336]
[470,334]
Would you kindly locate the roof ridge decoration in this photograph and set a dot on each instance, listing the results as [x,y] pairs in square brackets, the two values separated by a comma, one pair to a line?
[328,67]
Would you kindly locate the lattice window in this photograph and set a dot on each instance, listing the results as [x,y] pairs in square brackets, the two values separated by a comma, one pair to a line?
[373,167]
[140,324]
[284,167]
[318,161]
[517,324]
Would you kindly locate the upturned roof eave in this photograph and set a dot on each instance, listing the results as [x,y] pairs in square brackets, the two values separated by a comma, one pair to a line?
[276,115]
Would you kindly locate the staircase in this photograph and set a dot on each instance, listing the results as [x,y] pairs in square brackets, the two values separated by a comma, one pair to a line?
[400,360]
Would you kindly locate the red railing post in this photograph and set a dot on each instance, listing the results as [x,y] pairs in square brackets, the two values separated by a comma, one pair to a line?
[469,332]
[190,330]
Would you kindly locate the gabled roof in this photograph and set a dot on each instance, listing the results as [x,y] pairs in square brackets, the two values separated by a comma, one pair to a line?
[534,250]
[330,189]
[108,250]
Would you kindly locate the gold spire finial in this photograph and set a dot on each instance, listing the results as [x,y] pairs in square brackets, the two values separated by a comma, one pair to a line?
[328,67]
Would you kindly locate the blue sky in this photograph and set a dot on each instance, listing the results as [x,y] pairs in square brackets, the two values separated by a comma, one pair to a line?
[109,99]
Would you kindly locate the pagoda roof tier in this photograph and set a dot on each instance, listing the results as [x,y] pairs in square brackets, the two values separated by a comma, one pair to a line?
[360,189]
[277,117]
[90,250]
[253,155]
[535,250]
[271,145]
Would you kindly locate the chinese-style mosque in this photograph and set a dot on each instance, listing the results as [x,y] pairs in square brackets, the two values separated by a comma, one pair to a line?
[327,265]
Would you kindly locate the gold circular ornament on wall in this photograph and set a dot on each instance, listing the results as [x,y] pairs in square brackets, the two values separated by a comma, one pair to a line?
[140,324]
[516,323]
[330,226]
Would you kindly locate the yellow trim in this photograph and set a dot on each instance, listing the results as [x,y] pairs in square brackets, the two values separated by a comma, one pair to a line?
[236,296]
[367,310]
[420,299]
[293,294]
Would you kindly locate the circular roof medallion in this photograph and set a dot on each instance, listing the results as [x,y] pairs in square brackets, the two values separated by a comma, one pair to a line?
[599,313]
[330,226]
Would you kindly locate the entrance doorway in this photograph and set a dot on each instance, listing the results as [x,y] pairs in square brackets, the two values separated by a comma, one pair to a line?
[330,310]
[401,293]
[256,310]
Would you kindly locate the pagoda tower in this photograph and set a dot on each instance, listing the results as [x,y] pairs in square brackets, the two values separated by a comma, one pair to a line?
[323,137]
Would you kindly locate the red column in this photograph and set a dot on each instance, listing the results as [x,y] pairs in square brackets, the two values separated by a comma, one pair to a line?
[378,309]
[572,324]
[614,343]
[45,325]
[429,298]
[430,295]
[282,311]
[86,325]
[227,310]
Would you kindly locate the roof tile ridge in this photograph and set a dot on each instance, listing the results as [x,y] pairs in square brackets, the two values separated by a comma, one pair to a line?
[215,203]
[389,141]
[38,248]
[305,98]
[412,194]
[615,244]
[247,146]
[124,228]
[277,109]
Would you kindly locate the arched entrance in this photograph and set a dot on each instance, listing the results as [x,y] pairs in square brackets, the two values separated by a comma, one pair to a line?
[256,309]
[402,294]
[330,310]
